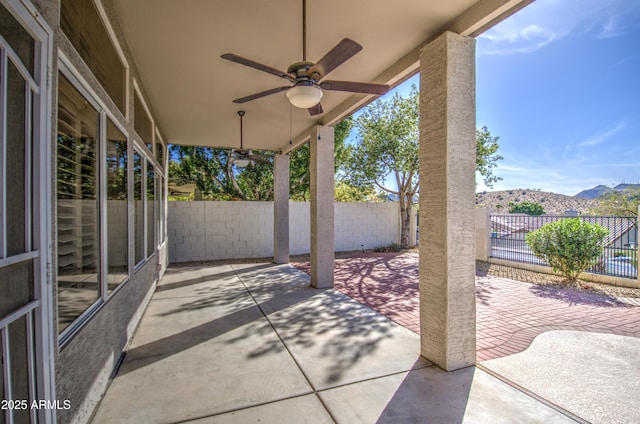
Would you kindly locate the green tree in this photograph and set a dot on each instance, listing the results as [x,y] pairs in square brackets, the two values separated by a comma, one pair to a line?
[486,156]
[569,245]
[299,173]
[619,203]
[345,192]
[386,152]
[530,208]
[387,147]
[212,170]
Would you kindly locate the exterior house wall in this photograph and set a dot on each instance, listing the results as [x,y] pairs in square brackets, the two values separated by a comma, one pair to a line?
[84,365]
[225,230]
[89,356]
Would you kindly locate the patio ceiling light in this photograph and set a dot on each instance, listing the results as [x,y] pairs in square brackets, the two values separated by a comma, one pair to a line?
[304,96]
[241,163]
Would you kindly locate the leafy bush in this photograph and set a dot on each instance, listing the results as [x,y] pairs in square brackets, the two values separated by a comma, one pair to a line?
[569,245]
[393,247]
[530,208]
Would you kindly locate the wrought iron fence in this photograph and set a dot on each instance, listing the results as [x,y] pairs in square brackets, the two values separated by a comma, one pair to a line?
[620,253]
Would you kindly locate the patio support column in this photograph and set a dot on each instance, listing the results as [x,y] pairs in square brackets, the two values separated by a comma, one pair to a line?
[322,170]
[281,209]
[447,192]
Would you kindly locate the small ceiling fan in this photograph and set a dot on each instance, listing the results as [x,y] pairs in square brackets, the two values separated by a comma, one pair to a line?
[307,77]
[241,156]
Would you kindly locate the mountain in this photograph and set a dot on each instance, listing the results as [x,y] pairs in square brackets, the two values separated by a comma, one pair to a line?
[595,192]
[554,204]
[601,190]
[624,186]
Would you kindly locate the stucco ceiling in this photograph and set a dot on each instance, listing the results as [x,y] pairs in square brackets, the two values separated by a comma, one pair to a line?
[177,46]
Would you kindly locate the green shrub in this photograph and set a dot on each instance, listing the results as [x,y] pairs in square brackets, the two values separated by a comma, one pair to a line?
[393,247]
[569,245]
[530,208]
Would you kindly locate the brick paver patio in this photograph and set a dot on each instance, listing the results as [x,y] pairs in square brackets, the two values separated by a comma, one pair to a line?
[510,314]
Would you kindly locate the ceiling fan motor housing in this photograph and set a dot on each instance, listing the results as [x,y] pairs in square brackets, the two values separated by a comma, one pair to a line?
[301,71]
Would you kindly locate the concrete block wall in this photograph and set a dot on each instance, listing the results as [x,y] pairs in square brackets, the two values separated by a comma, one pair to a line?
[299,228]
[366,224]
[203,230]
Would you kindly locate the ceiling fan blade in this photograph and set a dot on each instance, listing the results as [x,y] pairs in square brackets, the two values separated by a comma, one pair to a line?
[263,162]
[342,52]
[355,87]
[260,159]
[316,110]
[259,66]
[261,94]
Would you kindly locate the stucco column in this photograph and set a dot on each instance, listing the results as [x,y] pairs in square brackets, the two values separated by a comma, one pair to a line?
[447,190]
[322,245]
[281,209]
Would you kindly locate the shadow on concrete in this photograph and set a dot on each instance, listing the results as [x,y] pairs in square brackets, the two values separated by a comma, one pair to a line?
[430,395]
[484,291]
[323,323]
[385,282]
[573,297]
[309,318]
[181,283]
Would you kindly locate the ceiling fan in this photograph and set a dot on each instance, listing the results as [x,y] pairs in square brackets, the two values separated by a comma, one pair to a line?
[307,77]
[243,157]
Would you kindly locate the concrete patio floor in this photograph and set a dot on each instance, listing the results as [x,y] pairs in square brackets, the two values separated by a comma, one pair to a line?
[241,343]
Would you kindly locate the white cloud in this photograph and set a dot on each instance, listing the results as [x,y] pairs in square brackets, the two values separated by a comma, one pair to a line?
[546,21]
[507,40]
[601,137]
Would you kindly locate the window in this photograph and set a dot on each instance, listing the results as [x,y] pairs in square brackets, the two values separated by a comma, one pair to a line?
[105,186]
[138,207]
[117,215]
[77,193]
[146,180]
[159,152]
[18,38]
[151,210]
[81,22]
[16,162]
[142,122]
[161,209]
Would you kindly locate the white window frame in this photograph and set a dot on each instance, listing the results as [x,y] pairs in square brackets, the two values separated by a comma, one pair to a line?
[104,116]
[147,158]
[66,68]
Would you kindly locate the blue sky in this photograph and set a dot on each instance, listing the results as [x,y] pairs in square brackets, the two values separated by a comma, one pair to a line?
[559,83]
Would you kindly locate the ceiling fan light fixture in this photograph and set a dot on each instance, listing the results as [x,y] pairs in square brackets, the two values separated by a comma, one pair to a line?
[304,96]
[241,163]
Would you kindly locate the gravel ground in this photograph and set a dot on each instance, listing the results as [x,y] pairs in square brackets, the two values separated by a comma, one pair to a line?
[484,269]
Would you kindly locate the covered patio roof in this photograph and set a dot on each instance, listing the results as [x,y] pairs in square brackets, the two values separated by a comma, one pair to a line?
[177,48]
